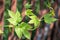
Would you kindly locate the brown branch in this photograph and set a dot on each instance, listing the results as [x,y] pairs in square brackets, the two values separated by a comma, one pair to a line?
[23,8]
[13,8]
[1,17]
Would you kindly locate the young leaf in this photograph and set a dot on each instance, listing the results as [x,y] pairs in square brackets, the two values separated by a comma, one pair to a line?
[49,19]
[48,4]
[12,21]
[33,17]
[10,26]
[26,34]
[15,18]
[31,21]
[18,17]
[11,14]
[18,32]
[29,12]
[27,5]
[25,26]
[52,12]
[18,14]
[34,20]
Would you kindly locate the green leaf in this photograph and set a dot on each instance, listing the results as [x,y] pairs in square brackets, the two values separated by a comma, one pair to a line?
[18,32]
[12,21]
[52,12]
[48,4]
[31,21]
[49,19]
[26,34]
[15,18]
[29,12]
[34,20]
[37,22]
[27,5]
[19,19]
[11,14]
[25,26]
[33,17]
[17,14]
[10,25]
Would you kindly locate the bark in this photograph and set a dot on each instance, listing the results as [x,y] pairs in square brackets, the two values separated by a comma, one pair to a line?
[13,8]
[1,17]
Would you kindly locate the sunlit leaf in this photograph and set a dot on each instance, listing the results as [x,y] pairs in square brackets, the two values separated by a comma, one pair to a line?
[1,31]
[12,21]
[25,26]
[52,12]
[11,14]
[34,20]
[10,25]
[26,34]
[18,32]
[49,19]
[18,14]
[15,18]
[29,12]
[27,5]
